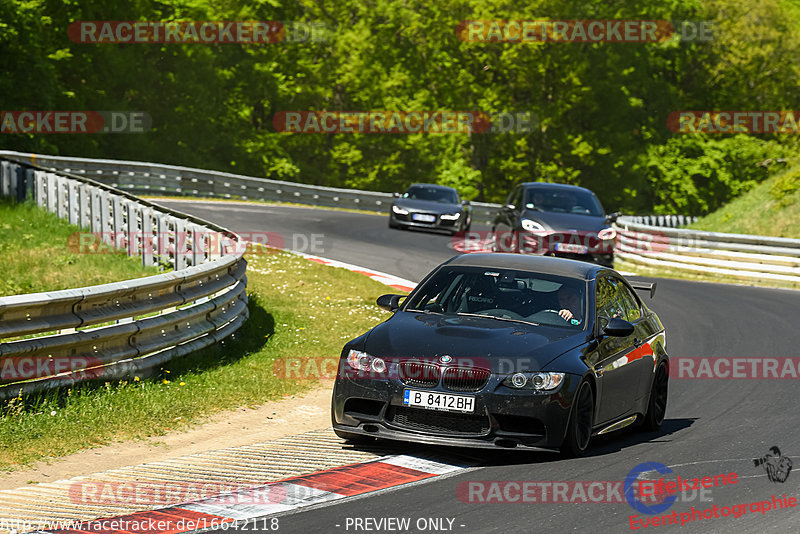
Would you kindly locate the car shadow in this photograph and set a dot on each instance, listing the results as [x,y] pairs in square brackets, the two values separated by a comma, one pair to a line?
[600,446]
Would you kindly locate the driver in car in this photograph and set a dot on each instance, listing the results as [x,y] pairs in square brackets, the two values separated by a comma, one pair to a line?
[569,300]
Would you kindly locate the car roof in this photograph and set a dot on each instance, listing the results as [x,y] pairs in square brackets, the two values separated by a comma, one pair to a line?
[553,185]
[432,186]
[538,264]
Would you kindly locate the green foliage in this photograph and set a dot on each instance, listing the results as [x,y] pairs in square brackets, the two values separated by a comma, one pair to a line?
[696,174]
[785,186]
[601,108]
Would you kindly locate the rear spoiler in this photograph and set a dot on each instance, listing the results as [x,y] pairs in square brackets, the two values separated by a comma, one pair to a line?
[645,286]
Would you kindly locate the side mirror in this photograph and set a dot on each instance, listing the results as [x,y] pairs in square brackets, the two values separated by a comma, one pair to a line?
[612,217]
[510,207]
[465,202]
[389,303]
[617,327]
[397,195]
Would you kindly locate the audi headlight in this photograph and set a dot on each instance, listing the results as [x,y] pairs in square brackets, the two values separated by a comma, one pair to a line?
[536,381]
[607,233]
[361,361]
[532,226]
[450,216]
[400,211]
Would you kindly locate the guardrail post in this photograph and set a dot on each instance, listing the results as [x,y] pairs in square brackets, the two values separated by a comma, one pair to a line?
[198,245]
[148,237]
[181,242]
[132,215]
[4,178]
[105,217]
[73,205]
[61,194]
[84,213]
[52,192]
[94,220]
[41,190]
[162,240]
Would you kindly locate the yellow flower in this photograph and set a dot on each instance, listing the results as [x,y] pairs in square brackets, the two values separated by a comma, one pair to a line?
[135,378]
[183,383]
[165,381]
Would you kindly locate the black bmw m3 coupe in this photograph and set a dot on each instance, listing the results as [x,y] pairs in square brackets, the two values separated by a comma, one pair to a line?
[506,351]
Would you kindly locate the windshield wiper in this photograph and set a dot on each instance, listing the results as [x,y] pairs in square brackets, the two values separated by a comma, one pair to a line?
[498,318]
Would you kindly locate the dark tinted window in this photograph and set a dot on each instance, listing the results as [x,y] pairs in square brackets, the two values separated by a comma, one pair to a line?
[432,193]
[563,200]
[504,294]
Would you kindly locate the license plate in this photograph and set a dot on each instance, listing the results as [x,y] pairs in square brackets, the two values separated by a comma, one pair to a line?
[571,248]
[431,400]
[421,217]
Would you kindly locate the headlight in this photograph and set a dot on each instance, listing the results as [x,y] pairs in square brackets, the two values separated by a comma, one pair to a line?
[532,226]
[450,217]
[361,361]
[607,233]
[537,381]
[400,211]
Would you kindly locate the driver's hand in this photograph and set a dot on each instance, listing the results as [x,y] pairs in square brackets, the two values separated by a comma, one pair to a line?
[565,314]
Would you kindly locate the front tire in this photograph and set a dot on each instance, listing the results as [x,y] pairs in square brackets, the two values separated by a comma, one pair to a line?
[579,428]
[657,404]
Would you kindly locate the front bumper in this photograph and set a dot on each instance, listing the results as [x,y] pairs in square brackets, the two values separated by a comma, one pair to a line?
[596,250]
[437,224]
[503,417]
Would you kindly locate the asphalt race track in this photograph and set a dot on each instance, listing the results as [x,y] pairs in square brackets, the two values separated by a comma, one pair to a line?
[712,426]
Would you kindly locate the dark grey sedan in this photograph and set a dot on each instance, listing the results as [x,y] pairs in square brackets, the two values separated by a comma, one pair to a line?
[431,206]
[551,219]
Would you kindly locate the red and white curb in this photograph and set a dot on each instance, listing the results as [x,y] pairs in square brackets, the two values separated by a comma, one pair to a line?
[390,280]
[282,496]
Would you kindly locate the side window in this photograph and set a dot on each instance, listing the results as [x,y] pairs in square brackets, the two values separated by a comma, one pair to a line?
[629,303]
[608,301]
[512,197]
[518,199]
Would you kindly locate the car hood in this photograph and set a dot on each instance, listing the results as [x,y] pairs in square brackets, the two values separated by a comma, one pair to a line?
[502,346]
[565,222]
[427,205]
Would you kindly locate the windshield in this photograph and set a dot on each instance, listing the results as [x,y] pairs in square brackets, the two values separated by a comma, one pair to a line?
[506,295]
[564,201]
[434,194]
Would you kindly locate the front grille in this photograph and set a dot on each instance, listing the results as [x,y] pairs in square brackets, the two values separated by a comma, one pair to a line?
[465,378]
[419,374]
[438,422]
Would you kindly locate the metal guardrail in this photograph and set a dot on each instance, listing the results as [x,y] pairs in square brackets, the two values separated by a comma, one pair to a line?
[747,257]
[158,179]
[653,240]
[200,302]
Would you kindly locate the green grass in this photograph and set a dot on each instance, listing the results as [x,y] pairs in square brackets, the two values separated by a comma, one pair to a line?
[35,254]
[771,208]
[298,309]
